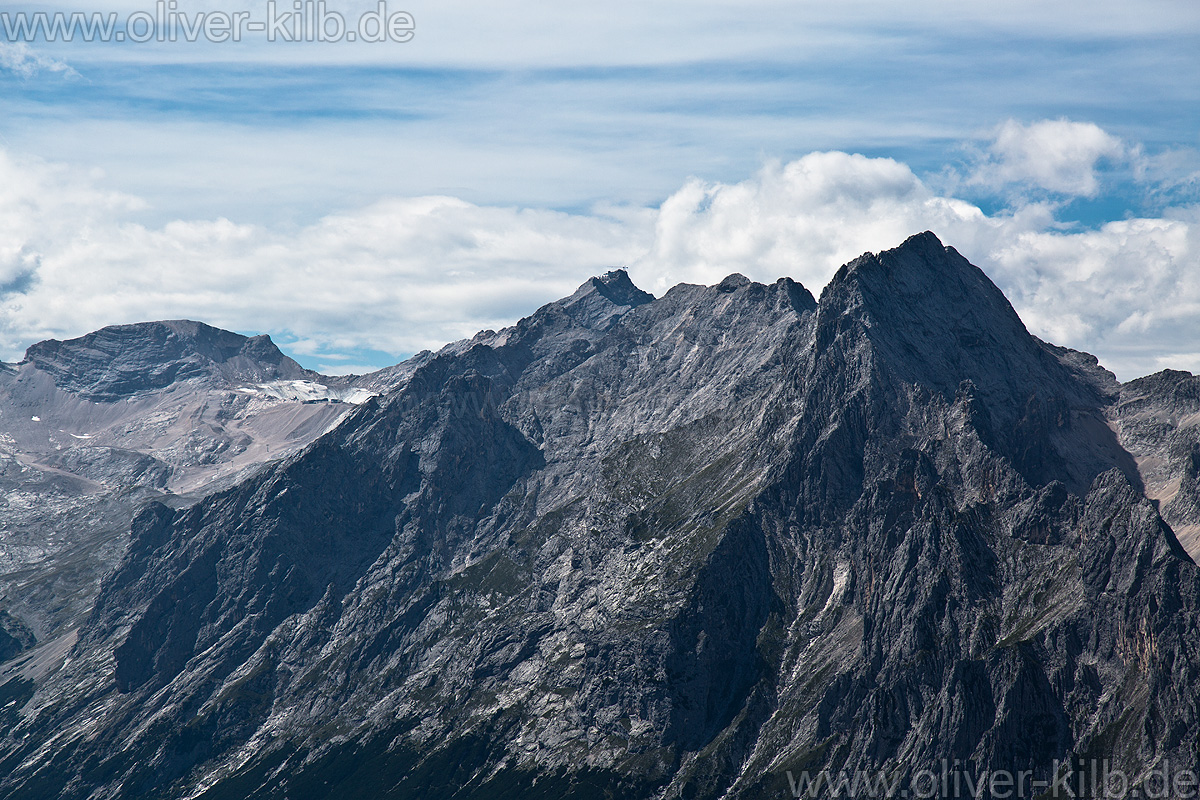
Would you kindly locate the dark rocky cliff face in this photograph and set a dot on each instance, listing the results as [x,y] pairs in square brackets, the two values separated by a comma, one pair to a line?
[638,547]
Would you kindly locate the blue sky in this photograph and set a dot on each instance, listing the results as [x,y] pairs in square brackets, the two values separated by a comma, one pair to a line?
[290,187]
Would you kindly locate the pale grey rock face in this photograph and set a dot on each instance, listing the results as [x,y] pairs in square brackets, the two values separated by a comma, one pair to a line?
[643,547]
[1159,422]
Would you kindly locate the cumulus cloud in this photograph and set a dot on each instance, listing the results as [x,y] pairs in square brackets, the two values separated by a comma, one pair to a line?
[1058,156]
[802,219]
[42,208]
[1128,291]
[397,276]
[409,273]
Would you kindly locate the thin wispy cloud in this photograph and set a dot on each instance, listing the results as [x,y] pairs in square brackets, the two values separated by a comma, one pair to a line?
[565,106]
[24,61]
[529,33]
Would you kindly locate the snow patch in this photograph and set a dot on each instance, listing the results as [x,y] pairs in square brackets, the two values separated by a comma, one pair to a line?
[308,392]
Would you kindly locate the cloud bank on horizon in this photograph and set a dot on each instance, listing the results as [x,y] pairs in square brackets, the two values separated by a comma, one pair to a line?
[404,274]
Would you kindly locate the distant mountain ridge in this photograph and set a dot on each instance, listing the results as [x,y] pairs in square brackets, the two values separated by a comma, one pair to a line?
[92,427]
[120,360]
[675,547]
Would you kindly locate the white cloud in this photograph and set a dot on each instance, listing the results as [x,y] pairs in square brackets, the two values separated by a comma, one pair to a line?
[43,206]
[397,276]
[1129,291]
[1058,156]
[802,219]
[22,59]
[408,273]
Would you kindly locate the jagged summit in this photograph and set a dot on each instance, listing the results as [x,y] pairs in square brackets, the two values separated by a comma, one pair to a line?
[925,285]
[1178,390]
[733,282]
[936,320]
[122,360]
[619,289]
[603,299]
[589,311]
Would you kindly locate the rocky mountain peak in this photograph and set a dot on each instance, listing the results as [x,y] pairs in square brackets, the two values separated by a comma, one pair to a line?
[1174,391]
[733,282]
[934,320]
[925,285]
[601,300]
[617,287]
[122,360]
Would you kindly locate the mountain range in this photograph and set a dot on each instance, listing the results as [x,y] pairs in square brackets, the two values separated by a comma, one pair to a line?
[690,546]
